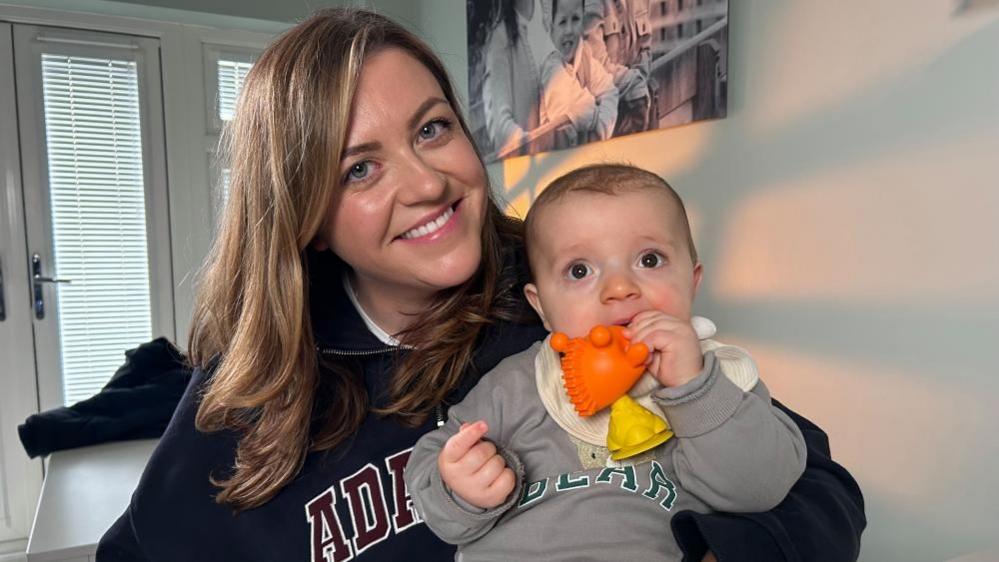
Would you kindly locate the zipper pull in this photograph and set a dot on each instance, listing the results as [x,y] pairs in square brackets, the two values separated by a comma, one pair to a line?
[439,414]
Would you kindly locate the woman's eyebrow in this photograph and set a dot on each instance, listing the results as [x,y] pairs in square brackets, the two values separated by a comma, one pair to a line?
[423,109]
[413,122]
[360,148]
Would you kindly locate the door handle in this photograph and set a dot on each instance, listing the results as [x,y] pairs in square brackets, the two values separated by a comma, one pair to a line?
[37,281]
[3,307]
[40,279]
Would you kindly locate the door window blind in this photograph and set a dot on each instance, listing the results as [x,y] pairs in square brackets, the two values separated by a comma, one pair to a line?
[231,75]
[97,197]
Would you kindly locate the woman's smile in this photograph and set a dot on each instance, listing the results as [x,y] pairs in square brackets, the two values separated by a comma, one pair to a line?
[436,228]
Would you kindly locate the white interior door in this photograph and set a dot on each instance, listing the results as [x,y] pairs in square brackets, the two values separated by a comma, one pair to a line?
[83,198]
[96,210]
[20,477]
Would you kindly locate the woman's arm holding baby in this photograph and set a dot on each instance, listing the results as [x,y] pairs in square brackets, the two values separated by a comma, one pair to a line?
[820,520]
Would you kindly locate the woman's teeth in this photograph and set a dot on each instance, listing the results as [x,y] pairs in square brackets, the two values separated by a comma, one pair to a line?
[430,227]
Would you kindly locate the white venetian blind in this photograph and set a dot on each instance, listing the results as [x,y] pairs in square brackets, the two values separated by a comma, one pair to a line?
[97,196]
[231,75]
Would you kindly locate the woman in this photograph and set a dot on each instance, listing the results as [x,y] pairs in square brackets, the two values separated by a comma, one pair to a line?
[362,281]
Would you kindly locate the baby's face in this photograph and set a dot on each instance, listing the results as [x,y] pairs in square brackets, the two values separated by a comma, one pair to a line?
[602,259]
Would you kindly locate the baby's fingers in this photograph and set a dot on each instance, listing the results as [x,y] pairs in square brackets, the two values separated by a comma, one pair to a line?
[491,470]
[460,443]
[503,485]
[645,321]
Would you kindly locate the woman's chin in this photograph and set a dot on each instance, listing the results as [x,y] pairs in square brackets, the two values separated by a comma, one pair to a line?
[452,271]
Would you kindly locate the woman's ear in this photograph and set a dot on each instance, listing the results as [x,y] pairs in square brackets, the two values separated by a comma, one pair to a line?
[319,244]
[531,292]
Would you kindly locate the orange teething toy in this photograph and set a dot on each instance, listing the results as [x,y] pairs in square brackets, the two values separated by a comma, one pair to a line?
[599,368]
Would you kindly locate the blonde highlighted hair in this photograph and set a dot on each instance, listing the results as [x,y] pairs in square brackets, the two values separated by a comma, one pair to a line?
[251,323]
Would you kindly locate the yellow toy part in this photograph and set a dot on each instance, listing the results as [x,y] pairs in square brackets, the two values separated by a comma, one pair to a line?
[634,429]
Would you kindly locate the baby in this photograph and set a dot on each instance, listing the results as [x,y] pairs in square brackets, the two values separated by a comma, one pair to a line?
[515,473]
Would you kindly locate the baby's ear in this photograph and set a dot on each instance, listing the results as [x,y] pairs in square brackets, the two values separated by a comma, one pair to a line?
[531,292]
[698,275]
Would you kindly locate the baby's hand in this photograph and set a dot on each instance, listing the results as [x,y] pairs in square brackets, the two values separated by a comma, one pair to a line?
[473,469]
[676,353]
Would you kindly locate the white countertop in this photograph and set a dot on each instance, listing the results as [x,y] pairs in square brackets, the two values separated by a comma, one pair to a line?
[84,492]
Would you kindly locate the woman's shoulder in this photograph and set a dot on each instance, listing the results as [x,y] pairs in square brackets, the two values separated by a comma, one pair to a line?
[184,450]
[186,459]
[176,486]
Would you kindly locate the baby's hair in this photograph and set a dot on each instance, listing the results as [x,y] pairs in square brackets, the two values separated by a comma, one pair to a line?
[607,179]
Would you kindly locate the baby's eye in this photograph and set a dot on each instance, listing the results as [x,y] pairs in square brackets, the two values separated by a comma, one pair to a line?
[358,171]
[578,271]
[651,260]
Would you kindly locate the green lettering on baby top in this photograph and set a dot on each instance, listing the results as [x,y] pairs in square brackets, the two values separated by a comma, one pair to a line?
[565,482]
[658,479]
[627,480]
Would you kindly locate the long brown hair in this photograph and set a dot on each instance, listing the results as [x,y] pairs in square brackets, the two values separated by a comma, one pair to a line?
[251,322]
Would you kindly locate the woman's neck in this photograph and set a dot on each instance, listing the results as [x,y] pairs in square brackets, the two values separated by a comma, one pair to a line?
[391,307]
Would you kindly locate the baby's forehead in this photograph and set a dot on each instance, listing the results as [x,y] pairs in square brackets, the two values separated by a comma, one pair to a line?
[562,224]
[638,196]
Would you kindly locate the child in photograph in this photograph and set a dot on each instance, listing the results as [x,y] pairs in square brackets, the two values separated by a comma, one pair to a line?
[619,34]
[577,59]
[516,473]
[522,71]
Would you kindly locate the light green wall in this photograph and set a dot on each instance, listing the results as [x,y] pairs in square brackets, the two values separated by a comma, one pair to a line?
[847,213]
[244,14]
[286,11]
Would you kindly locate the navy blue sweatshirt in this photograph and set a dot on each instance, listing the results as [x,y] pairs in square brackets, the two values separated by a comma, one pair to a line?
[351,502]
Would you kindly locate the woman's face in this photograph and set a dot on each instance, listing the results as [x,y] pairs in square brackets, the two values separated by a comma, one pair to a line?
[409,217]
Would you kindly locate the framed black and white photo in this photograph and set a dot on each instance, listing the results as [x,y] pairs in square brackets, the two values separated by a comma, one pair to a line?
[553,74]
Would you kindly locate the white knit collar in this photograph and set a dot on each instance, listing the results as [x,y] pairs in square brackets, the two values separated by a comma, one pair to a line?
[375,329]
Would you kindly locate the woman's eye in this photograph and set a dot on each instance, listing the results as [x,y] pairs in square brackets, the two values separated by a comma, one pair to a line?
[579,271]
[651,260]
[434,129]
[359,171]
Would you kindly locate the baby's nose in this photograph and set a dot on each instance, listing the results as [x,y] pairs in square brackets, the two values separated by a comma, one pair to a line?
[619,287]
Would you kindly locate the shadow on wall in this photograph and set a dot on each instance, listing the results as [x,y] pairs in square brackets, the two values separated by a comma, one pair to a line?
[851,249]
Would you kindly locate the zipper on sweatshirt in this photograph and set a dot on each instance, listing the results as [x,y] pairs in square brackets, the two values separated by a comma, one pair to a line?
[352,352]
[439,412]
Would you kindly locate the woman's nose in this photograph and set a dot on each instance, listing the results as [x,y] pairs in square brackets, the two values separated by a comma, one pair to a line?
[422,181]
[619,286]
